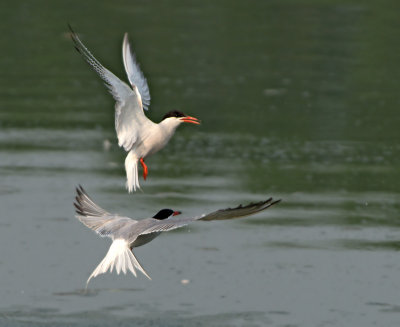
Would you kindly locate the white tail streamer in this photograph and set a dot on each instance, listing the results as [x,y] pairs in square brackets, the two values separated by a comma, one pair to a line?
[121,257]
[132,175]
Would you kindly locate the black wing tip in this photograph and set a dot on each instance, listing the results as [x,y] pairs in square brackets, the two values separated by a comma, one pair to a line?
[77,49]
[276,202]
[267,203]
[79,210]
[75,38]
[261,204]
[72,32]
[80,191]
[70,28]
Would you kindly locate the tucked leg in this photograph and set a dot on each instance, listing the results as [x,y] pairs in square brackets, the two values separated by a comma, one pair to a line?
[145,170]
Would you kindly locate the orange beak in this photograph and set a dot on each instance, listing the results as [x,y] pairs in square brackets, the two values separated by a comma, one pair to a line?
[189,119]
[176,213]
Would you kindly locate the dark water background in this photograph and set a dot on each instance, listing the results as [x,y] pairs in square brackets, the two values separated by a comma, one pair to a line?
[299,100]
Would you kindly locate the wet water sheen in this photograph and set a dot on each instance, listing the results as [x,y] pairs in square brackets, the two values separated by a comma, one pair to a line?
[299,100]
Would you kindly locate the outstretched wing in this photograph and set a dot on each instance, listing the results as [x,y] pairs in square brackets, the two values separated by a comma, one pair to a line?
[134,74]
[240,211]
[130,120]
[222,214]
[96,218]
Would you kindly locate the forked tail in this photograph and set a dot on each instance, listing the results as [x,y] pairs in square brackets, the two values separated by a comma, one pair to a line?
[132,175]
[121,257]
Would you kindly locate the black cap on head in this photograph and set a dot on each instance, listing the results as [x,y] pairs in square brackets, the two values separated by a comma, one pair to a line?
[164,214]
[174,113]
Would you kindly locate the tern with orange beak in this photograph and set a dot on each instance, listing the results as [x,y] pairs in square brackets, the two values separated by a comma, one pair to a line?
[137,134]
[127,233]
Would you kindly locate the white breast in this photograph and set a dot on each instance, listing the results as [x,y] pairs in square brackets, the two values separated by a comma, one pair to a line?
[157,137]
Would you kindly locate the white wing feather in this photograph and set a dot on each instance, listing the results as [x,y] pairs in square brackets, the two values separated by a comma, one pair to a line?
[130,121]
[134,74]
[96,218]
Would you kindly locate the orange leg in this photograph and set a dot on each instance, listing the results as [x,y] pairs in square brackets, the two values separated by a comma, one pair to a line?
[145,170]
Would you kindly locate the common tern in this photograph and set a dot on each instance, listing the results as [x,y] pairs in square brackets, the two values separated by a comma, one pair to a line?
[127,233]
[137,134]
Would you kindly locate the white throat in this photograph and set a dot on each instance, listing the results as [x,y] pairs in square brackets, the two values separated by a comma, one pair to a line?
[158,137]
[169,125]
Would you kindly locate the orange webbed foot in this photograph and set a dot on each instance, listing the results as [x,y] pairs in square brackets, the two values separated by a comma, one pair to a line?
[145,169]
